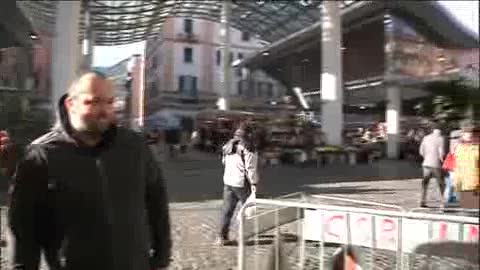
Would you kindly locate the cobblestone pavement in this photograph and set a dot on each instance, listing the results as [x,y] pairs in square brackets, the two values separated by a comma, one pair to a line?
[194,183]
[195,187]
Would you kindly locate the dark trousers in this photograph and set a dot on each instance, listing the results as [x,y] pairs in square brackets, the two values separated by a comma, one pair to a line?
[231,197]
[429,173]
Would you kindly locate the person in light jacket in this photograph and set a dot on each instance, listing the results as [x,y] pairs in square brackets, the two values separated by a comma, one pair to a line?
[432,149]
[240,177]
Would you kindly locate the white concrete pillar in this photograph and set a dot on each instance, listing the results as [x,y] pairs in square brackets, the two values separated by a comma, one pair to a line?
[331,77]
[226,74]
[65,48]
[394,112]
[394,94]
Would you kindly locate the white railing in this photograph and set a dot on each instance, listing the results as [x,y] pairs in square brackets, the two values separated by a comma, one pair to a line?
[397,235]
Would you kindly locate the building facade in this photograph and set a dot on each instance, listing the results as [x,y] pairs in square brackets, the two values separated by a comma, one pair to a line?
[25,107]
[184,69]
[119,74]
[127,78]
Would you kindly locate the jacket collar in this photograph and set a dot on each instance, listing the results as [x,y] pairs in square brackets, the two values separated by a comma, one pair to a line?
[62,126]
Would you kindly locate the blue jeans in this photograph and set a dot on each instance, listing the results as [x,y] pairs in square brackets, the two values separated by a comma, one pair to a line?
[450,195]
[231,197]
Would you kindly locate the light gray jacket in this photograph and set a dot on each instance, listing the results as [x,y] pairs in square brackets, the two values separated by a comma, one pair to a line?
[241,164]
[432,149]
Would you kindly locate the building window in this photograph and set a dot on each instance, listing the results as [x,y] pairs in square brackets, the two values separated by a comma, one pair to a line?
[187,85]
[238,71]
[188,26]
[251,89]
[270,90]
[239,88]
[242,87]
[259,89]
[219,57]
[192,90]
[181,82]
[153,90]
[245,36]
[188,55]
[154,61]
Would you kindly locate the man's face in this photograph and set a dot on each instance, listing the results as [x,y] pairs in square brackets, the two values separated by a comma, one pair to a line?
[91,110]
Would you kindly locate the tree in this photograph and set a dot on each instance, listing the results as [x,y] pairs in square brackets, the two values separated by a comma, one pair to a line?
[451,102]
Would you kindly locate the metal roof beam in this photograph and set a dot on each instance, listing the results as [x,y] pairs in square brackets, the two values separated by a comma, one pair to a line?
[113,12]
[272,23]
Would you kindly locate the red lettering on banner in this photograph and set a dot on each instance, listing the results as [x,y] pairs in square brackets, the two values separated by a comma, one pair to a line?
[388,230]
[331,219]
[443,231]
[388,225]
[361,220]
[473,233]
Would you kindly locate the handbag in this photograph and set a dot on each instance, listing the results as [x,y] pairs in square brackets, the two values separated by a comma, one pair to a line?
[449,162]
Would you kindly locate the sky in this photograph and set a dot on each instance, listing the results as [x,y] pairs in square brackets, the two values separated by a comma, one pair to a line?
[465,11]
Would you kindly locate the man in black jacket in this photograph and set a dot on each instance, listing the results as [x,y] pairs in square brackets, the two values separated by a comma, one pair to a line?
[89,194]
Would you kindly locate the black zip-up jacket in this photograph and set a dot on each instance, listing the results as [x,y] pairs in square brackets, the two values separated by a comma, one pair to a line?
[95,208]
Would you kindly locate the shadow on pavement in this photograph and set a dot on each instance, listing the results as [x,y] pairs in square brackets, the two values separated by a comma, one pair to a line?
[198,178]
[467,252]
[201,180]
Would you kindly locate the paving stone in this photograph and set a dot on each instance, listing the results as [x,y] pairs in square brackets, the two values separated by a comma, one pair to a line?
[194,183]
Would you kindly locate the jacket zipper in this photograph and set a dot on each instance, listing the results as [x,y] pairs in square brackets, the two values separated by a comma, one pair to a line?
[107,202]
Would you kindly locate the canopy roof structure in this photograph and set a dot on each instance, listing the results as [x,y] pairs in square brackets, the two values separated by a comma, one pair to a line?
[123,22]
[15,29]
[430,18]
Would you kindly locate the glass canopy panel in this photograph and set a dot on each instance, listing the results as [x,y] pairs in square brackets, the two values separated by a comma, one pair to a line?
[121,22]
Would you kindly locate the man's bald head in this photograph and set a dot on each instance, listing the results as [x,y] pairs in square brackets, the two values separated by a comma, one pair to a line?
[88,81]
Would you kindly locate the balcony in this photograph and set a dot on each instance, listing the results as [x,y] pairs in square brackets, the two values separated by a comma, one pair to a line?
[187,37]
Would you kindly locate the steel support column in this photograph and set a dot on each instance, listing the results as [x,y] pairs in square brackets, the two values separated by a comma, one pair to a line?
[331,76]
[394,97]
[65,62]
[226,74]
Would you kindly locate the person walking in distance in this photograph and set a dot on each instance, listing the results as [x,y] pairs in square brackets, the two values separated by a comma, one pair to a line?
[432,149]
[89,193]
[240,176]
[7,154]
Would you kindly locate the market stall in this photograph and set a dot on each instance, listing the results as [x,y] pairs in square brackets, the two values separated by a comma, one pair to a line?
[294,140]
[216,127]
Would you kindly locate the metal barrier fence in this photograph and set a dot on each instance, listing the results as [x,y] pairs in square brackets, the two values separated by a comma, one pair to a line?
[3,238]
[299,234]
[384,236]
